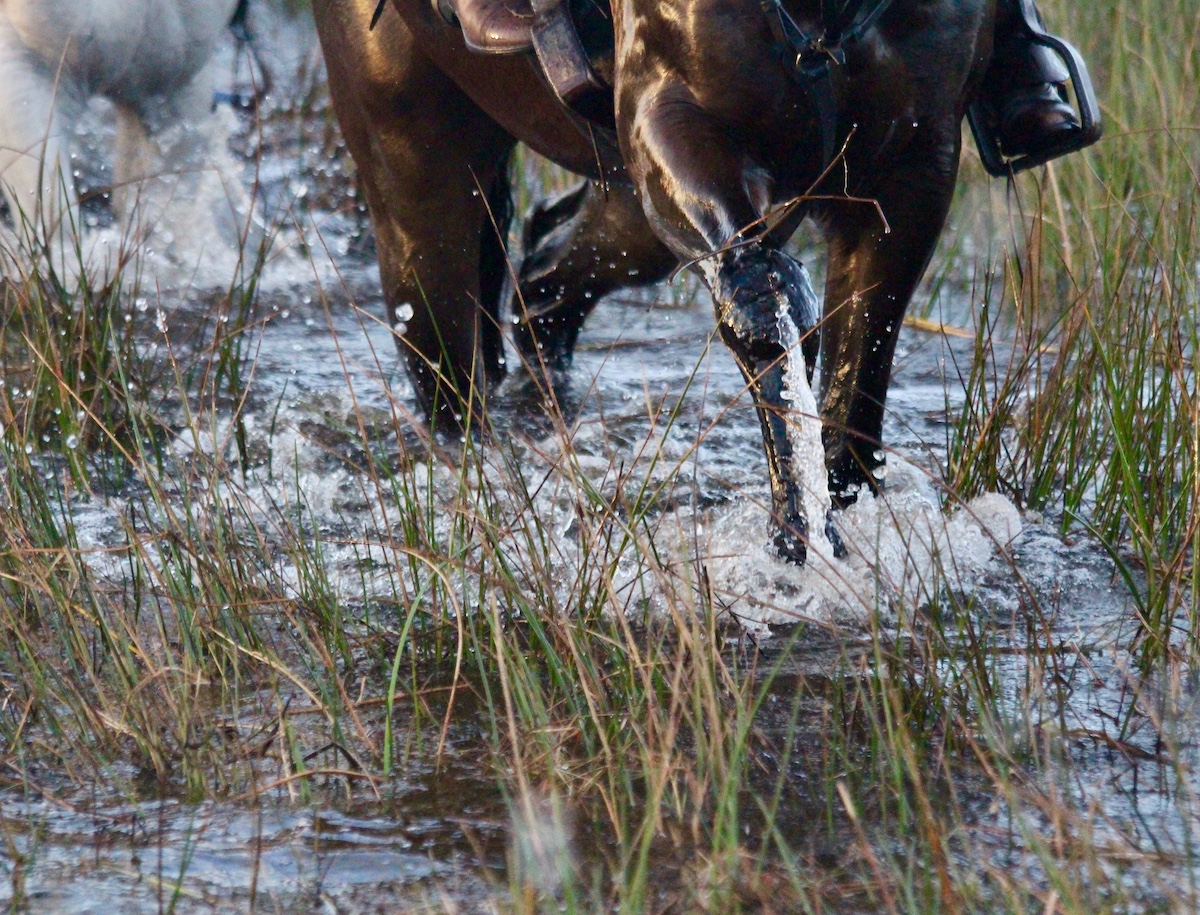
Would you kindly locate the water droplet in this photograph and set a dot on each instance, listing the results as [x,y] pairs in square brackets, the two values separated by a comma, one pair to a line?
[404,312]
[72,442]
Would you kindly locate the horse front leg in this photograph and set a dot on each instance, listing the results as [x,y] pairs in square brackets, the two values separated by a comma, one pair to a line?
[704,196]
[873,272]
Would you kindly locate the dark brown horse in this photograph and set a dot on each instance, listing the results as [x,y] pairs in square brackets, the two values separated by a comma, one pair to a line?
[713,134]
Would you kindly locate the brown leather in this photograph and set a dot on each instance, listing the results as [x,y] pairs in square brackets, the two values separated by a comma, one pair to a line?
[495,26]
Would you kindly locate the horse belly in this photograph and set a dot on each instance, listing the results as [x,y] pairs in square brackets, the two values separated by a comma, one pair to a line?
[123,48]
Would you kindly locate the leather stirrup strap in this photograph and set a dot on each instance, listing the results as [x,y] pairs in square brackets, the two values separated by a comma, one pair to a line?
[375,15]
[565,61]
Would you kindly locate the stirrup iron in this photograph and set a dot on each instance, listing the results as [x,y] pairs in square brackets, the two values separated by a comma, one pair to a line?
[1085,101]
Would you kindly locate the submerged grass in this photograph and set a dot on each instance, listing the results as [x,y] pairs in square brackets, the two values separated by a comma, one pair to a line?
[518,612]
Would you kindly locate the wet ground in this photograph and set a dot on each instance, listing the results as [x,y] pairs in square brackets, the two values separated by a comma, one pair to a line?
[439,836]
[443,833]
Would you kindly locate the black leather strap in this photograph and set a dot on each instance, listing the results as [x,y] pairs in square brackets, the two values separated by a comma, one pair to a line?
[375,15]
[809,57]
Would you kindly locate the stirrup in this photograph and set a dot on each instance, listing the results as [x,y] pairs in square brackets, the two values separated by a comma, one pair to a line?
[1085,101]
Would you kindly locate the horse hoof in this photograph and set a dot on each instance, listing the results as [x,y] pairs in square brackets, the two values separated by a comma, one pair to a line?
[546,338]
[834,538]
[791,545]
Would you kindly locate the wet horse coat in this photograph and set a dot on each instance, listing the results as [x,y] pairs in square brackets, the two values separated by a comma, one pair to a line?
[153,60]
[713,134]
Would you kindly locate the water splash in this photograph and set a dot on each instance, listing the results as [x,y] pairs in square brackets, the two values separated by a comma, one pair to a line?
[902,549]
[804,433]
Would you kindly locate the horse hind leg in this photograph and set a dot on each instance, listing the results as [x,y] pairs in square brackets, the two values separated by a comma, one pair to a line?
[494,269]
[430,162]
[579,247]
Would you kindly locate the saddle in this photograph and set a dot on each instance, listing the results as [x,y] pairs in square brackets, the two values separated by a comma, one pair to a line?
[573,42]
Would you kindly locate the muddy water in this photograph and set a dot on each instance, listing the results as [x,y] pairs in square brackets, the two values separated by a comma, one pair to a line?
[324,359]
[444,834]
[151,856]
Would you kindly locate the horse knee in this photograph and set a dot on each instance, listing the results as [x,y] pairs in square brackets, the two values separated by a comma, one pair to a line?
[758,292]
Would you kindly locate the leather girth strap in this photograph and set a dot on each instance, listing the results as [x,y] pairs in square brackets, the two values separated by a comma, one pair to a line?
[810,57]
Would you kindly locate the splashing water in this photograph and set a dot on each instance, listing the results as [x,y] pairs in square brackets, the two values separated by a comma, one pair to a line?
[901,550]
[804,433]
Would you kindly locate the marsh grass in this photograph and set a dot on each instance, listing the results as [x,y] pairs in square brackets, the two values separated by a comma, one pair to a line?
[1105,420]
[521,614]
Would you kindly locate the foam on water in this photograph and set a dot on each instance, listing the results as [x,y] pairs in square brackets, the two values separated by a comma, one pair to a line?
[901,548]
[201,223]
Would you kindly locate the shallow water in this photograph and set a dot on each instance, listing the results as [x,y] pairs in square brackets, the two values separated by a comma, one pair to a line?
[649,393]
[316,369]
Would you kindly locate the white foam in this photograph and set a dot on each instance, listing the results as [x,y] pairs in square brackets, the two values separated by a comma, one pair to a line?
[193,224]
[901,549]
[804,433]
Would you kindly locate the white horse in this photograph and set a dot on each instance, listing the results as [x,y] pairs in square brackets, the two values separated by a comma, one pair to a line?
[174,179]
